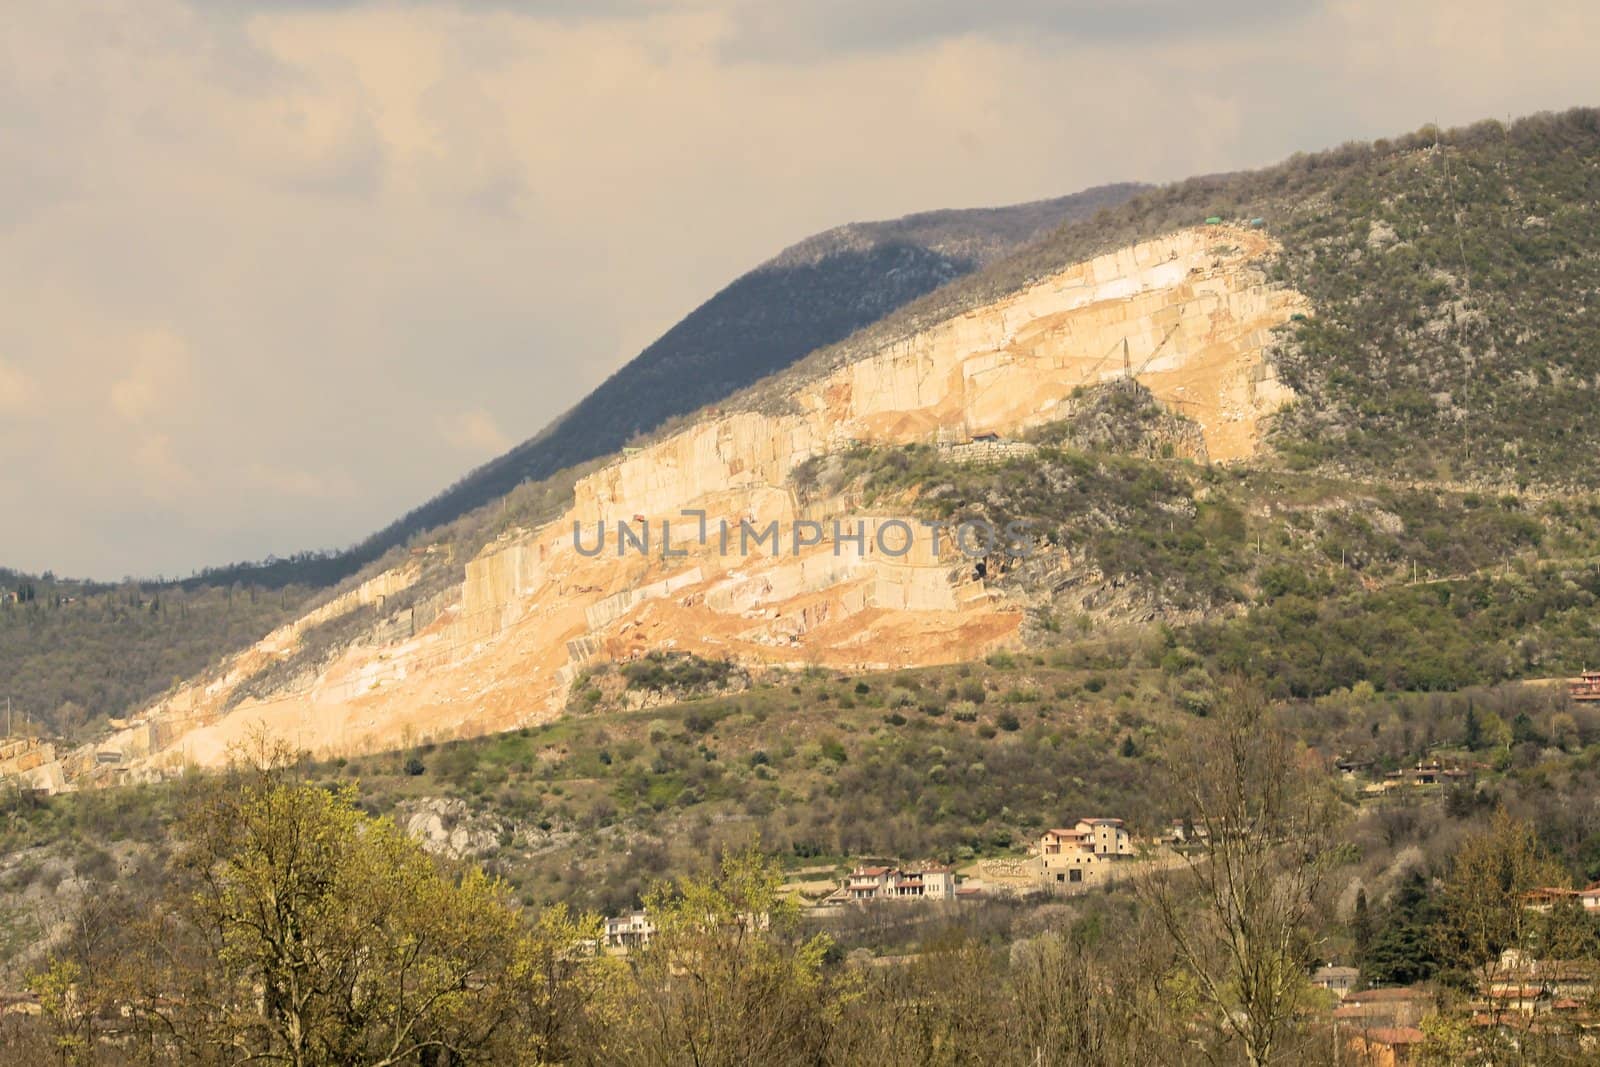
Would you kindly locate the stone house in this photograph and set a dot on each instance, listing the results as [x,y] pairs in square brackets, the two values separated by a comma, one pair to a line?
[1085,854]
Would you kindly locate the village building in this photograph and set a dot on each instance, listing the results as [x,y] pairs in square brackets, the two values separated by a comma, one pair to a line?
[1532,986]
[1386,1046]
[1396,1006]
[1336,980]
[1084,854]
[1548,897]
[633,930]
[869,883]
[1381,1026]
[1426,774]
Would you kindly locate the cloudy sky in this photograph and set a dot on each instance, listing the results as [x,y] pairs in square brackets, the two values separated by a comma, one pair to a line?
[274,271]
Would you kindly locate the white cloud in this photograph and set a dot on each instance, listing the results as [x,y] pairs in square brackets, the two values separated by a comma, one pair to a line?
[473,431]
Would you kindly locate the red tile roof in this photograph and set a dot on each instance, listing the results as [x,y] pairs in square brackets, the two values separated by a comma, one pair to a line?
[1390,993]
[1393,1035]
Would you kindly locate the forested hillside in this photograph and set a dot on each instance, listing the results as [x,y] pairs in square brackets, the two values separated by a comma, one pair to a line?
[74,653]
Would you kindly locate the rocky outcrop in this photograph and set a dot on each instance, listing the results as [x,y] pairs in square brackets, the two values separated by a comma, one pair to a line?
[1190,316]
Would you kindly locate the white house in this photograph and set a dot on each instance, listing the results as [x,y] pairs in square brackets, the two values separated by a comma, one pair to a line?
[930,882]
[633,930]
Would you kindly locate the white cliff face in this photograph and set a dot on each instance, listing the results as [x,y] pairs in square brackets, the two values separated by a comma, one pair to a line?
[1188,315]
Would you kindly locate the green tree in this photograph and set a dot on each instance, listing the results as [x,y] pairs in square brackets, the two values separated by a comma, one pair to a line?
[1482,903]
[726,980]
[1361,924]
[295,929]
[1404,948]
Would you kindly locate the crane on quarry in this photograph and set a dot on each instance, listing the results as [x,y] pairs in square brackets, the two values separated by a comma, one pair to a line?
[1154,352]
[1128,373]
[1102,360]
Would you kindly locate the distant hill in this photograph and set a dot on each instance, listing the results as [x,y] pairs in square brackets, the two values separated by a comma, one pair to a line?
[101,648]
[810,295]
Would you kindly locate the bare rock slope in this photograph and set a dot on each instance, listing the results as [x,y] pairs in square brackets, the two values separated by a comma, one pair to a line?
[1191,315]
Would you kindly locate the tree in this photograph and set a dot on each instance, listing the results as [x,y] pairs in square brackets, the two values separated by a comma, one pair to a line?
[1404,948]
[1238,909]
[77,994]
[725,980]
[1483,901]
[297,930]
[1361,924]
[1073,1001]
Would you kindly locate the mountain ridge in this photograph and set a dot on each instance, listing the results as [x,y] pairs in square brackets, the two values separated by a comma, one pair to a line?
[810,294]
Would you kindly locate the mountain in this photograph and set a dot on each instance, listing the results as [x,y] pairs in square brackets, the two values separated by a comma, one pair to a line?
[1300,460]
[1454,275]
[1317,318]
[810,295]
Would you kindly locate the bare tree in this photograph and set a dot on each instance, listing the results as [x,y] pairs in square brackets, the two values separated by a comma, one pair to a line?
[1238,909]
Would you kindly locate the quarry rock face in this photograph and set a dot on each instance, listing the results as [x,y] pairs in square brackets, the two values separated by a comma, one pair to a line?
[1189,315]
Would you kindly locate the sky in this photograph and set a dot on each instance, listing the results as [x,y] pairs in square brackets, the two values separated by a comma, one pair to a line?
[273,272]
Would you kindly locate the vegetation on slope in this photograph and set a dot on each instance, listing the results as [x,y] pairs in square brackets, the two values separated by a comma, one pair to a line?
[1427,886]
[1453,274]
[73,654]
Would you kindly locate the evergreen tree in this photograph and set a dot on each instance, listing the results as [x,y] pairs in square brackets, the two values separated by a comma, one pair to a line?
[1361,925]
[1402,949]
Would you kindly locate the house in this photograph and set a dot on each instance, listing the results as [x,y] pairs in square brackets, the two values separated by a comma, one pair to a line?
[1432,773]
[1531,986]
[1336,980]
[930,882]
[1385,1046]
[1390,1006]
[987,437]
[1351,767]
[1547,897]
[1084,854]
[1585,687]
[633,930]
[1103,837]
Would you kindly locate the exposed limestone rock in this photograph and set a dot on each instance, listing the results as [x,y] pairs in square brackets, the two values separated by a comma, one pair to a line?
[446,827]
[1189,316]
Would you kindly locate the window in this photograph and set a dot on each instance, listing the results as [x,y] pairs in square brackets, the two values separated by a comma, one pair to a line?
[1075,875]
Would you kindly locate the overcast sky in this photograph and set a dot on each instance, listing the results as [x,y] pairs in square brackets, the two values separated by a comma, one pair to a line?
[274,272]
